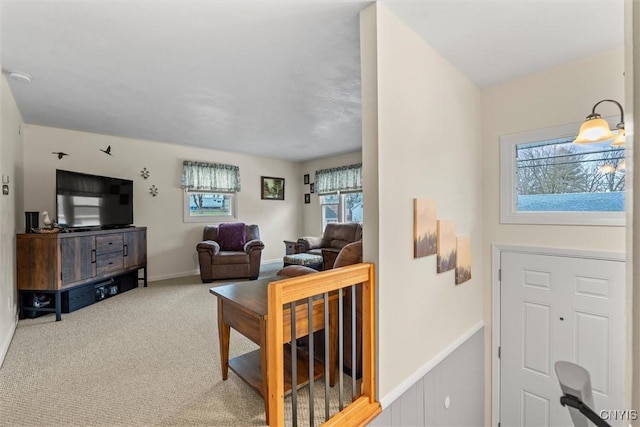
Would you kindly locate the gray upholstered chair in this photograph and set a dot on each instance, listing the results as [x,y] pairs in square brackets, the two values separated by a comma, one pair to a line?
[230,251]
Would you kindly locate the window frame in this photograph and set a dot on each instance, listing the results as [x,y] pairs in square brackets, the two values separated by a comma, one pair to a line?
[211,219]
[508,197]
[341,205]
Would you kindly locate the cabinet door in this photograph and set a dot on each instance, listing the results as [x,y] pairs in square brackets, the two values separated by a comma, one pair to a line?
[78,258]
[135,248]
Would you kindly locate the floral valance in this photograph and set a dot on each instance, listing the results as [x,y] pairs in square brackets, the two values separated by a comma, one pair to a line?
[210,177]
[345,178]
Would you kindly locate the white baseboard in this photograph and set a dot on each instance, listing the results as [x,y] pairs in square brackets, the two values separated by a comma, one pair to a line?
[389,398]
[195,272]
[272,262]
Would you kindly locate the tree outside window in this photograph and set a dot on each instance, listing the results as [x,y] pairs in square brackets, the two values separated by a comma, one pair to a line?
[557,175]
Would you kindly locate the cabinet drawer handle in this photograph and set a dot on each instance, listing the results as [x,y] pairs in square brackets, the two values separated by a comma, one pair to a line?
[93,256]
[125,250]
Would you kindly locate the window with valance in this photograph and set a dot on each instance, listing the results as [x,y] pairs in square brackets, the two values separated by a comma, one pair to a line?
[340,191]
[210,191]
[344,178]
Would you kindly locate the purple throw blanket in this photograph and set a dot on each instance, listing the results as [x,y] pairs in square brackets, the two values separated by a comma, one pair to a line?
[232,236]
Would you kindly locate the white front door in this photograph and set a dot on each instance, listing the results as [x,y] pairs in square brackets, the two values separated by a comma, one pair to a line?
[558,308]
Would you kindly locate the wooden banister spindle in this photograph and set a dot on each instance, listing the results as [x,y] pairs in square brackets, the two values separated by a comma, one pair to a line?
[311,361]
[340,351]
[326,356]
[294,367]
[354,371]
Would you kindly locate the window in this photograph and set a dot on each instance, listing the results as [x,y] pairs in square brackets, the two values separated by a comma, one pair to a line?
[340,191]
[546,179]
[210,191]
[341,207]
[200,206]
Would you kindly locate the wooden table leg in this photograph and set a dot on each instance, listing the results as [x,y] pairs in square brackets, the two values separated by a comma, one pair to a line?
[263,367]
[224,333]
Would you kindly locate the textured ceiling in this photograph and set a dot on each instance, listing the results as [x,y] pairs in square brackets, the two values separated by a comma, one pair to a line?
[270,78]
[493,41]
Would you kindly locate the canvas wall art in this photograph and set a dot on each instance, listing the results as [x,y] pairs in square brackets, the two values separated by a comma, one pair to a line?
[463,259]
[424,227]
[446,245]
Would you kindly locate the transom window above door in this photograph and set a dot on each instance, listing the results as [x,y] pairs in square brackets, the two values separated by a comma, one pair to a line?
[547,179]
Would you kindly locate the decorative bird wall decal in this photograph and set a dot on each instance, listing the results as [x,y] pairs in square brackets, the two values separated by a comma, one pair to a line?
[60,154]
[107,151]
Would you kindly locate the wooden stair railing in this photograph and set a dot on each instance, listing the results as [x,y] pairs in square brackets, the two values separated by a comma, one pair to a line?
[364,408]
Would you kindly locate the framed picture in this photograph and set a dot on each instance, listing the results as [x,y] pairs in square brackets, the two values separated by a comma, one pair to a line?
[272,188]
[307,198]
[312,187]
[306,178]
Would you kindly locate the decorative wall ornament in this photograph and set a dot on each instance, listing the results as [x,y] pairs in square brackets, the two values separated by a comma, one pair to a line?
[446,245]
[144,173]
[307,198]
[312,187]
[107,151]
[60,154]
[424,228]
[306,178]
[463,259]
[153,190]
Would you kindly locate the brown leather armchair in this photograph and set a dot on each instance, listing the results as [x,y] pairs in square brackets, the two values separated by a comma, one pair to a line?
[335,237]
[224,258]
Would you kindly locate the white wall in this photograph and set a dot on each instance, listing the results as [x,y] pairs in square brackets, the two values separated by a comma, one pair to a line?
[311,215]
[550,98]
[11,209]
[428,146]
[170,242]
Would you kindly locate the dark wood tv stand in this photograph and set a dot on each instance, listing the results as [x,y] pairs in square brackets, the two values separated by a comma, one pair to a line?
[71,267]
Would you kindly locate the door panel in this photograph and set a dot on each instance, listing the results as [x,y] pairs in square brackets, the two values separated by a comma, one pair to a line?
[535,410]
[558,308]
[537,338]
[591,342]
[77,254]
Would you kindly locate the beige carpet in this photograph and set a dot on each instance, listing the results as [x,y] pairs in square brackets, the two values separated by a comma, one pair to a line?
[146,357]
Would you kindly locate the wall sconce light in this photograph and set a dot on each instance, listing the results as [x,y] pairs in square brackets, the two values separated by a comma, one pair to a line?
[153,190]
[596,129]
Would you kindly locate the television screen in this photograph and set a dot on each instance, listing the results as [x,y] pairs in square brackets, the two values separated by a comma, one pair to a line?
[84,200]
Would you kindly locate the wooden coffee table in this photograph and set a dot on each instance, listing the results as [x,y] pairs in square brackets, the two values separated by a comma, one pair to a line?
[243,307]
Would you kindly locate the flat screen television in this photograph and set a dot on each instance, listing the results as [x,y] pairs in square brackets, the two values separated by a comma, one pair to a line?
[93,201]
